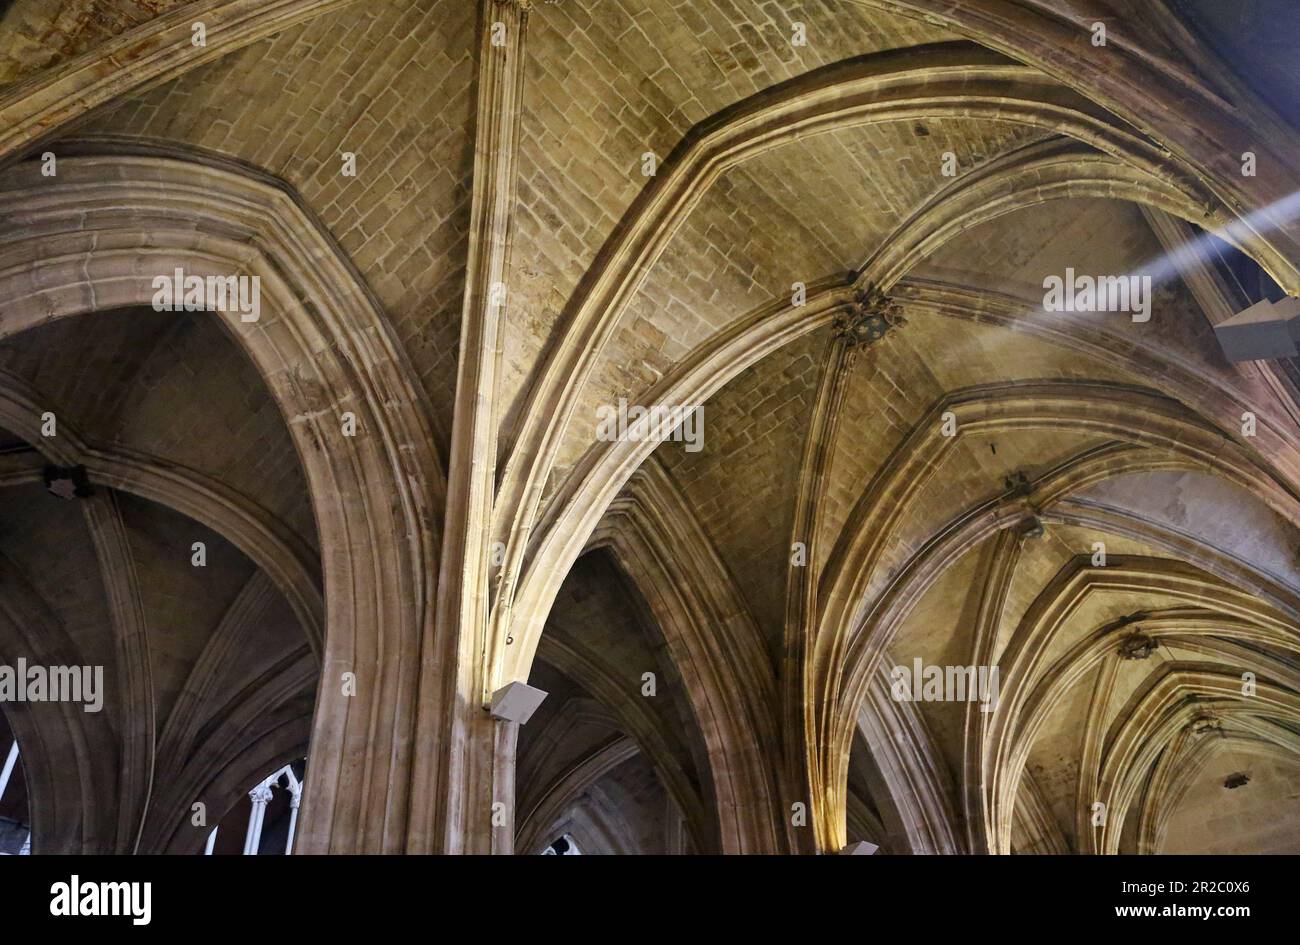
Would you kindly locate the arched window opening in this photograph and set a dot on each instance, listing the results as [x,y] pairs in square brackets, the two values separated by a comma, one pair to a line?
[15,821]
[564,846]
[265,820]
[1241,272]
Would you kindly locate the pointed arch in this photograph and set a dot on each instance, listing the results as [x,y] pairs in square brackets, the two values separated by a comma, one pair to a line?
[94,240]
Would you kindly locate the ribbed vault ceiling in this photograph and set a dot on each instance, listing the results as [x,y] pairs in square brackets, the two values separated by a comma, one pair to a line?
[777,167]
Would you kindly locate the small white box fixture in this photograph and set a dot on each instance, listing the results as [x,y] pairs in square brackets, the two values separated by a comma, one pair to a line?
[1264,331]
[860,847]
[516,702]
